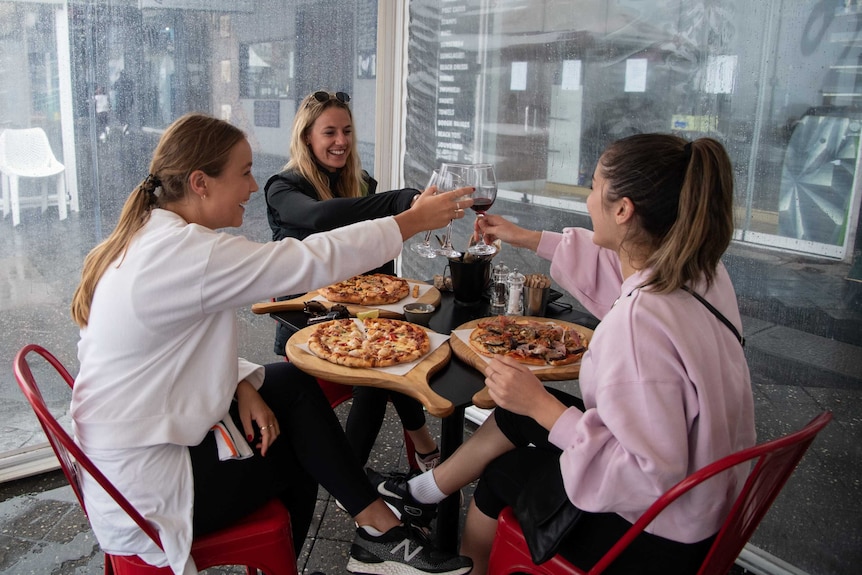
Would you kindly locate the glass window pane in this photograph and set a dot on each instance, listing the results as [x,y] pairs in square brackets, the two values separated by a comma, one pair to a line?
[539,88]
[102,81]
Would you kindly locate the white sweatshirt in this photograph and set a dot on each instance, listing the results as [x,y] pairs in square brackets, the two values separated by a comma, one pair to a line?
[159,363]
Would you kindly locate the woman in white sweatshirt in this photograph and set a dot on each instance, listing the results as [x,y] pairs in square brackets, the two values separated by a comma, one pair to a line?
[159,365]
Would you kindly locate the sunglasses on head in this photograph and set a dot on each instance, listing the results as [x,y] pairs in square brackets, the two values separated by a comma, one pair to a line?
[324,97]
[318,312]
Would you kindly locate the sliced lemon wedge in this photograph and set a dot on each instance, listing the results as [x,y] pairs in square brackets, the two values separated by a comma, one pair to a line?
[370,314]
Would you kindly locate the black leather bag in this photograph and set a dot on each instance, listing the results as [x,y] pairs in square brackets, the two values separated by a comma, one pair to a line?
[545,513]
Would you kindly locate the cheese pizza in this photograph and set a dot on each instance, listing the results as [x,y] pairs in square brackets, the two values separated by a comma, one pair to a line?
[372,342]
[371,289]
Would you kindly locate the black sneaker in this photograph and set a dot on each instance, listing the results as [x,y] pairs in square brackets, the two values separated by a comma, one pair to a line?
[393,488]
[429,461]
[404,550]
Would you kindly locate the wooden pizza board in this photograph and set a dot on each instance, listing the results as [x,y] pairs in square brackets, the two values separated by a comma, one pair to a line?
[482,398]
[431,296]
[414,383]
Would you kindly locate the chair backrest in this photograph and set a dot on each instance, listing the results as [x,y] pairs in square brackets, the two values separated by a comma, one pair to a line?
[71,458]
[26,149]
[775,462]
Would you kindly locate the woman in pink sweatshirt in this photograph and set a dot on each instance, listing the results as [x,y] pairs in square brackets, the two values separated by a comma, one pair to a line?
[665,385]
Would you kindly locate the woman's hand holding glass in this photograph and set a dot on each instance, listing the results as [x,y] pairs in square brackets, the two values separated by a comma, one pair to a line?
[432,211]
[497,227]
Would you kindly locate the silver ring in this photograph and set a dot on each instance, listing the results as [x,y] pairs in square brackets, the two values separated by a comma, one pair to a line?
[457,206]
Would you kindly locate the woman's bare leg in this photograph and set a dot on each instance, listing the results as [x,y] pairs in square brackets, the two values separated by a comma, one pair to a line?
[478,537]
[469,461]
[423,441]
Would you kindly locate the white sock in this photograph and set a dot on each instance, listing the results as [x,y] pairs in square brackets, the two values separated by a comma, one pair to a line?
[424,488]
[371,530]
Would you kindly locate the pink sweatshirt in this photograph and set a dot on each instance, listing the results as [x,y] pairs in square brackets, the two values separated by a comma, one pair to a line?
[666,388]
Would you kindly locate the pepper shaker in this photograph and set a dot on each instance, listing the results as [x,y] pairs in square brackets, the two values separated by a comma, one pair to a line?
[515,283]
[499,288]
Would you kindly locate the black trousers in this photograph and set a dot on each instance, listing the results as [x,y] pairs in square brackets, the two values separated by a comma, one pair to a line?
[595,533]
[368,412]
[369,408]
[311,450]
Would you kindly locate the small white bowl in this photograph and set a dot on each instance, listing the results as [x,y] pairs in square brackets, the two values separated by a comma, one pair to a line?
[419,313]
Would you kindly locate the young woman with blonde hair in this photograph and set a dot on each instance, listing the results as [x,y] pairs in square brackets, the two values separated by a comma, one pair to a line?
[159,369]
[665,385]
[324,187]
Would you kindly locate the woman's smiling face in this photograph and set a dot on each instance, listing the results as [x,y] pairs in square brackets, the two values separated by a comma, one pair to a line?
[330,138]
[229,192]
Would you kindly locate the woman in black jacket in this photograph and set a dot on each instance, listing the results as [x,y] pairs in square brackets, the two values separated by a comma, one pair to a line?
[324,187]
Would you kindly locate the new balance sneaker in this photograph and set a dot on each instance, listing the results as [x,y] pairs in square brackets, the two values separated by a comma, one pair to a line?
[403,550]
[428,461]
[394,490]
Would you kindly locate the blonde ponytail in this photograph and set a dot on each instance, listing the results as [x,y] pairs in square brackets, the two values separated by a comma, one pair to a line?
[135,213]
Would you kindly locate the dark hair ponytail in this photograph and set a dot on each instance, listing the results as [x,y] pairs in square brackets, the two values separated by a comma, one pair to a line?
[682,193]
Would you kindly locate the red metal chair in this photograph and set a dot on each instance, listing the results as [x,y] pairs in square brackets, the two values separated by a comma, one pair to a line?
[260,541]
[776,460]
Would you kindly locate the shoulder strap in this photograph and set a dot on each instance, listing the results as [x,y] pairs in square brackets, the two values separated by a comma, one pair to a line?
[717,314]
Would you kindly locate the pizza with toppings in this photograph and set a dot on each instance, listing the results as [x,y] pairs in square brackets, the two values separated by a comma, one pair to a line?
[373,342]
[371,289]
[528,341]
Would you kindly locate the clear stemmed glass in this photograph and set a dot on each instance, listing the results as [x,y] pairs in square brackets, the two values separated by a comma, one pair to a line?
[483,198]
[452,177]
[424,248]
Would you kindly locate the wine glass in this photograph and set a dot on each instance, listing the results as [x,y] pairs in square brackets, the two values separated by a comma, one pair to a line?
[483,198]
[452,177]
[424,248]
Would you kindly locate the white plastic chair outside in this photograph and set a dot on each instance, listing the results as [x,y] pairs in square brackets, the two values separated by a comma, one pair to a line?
[27,154]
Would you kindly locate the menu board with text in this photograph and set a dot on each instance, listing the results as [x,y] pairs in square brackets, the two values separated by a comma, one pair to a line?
[457,70]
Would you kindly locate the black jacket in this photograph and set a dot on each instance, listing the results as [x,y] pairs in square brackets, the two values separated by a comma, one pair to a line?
[294,211]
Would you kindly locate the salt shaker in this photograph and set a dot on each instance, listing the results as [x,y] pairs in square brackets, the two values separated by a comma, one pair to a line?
[499,287]
[515,283]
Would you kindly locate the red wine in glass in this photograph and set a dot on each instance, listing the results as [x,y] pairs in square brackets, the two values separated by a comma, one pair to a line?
[483,199]
[481,204]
